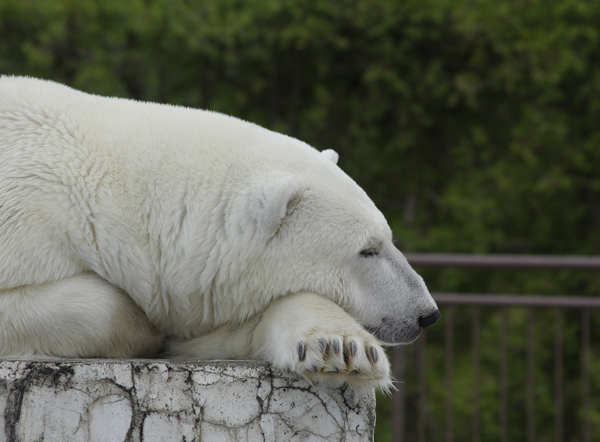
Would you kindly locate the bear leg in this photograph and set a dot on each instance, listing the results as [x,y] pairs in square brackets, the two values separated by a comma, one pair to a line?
[305,333]
[80,316]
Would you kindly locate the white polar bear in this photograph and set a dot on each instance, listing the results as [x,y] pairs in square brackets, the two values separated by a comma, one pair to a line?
[124,223]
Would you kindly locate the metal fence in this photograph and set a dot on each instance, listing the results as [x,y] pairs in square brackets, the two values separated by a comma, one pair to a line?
[449,302]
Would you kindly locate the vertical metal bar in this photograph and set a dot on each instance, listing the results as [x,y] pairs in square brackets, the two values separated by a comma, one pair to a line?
[585,373]
[475,330]
[558,377]
[449,362]
[530,375]
[421,382]
[503,375]
[399,396]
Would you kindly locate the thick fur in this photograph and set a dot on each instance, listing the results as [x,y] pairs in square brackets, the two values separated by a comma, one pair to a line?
[123,223]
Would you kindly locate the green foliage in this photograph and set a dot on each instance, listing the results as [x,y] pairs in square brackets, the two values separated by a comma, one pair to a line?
[472,124]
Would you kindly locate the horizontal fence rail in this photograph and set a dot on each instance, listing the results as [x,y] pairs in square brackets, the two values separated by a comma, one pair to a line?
[480,305]
[516,300]
[503,261]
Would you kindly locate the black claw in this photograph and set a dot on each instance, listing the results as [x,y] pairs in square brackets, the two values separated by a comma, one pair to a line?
[374,355]
[323,345]
[352,348]
[301,351]
[336,346]
[314,368]
[355,372]
[346,357]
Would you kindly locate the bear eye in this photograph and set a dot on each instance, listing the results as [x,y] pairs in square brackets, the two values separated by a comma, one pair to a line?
[369,253]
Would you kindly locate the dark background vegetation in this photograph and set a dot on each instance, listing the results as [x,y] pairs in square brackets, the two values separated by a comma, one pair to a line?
[474,125]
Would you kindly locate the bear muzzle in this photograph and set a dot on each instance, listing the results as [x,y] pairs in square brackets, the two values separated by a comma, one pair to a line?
[393,332]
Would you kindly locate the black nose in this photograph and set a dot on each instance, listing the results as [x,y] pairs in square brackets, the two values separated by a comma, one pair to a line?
[426,321]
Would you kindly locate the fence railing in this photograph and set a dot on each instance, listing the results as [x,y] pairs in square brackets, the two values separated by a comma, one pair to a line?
[448,303]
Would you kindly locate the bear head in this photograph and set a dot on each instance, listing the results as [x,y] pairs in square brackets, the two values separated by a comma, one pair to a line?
[310,227]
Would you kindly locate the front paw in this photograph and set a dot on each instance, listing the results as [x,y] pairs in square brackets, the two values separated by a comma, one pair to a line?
[355,358]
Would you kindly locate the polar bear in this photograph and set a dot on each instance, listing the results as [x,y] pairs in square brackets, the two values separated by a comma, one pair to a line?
[125,225]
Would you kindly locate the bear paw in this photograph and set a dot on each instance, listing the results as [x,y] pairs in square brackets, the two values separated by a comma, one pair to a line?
[308,334]
[356,359]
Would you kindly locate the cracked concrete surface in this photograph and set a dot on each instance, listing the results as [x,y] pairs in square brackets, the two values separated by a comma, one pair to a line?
[160,400]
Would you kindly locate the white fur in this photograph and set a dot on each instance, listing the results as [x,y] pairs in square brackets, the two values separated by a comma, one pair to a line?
[201,219]
[82,316]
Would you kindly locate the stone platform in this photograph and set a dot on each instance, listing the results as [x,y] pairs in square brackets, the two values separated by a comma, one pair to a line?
[158,400]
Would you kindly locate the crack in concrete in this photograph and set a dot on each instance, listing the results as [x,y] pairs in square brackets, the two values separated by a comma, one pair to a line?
[331,416]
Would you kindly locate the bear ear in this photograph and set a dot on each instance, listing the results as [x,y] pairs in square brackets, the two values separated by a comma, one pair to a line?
[273,202]
[331,155]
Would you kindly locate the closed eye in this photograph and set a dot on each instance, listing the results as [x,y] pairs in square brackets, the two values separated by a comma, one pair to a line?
[369,253]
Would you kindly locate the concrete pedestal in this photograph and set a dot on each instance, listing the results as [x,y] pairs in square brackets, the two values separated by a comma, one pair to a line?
[157,400]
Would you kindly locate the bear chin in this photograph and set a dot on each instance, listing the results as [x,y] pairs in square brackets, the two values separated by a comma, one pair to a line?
[393,336]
